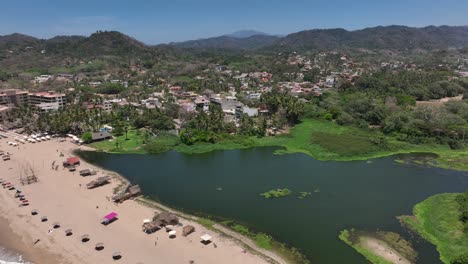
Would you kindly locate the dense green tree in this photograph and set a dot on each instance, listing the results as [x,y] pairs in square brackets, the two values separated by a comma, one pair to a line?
[87,137]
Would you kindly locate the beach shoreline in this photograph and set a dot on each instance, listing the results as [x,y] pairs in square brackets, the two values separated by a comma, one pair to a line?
[15,244]
[56,189]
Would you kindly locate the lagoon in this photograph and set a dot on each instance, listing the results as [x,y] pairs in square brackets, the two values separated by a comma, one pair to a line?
[367,195]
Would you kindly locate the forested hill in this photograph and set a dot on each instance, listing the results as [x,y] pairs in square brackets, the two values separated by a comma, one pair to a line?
[391,37]
[399,38]
[99,43]
[19,51]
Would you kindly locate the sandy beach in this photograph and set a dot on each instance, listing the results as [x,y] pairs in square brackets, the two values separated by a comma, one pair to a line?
[62,196]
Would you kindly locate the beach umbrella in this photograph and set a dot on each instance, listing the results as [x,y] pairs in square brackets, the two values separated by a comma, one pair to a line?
[169,227]
[146,221]
[56,225]
[206,237]
[172,234]
[85,238]
[99,246]
[34,212]
[117,255]
[44,219]
[68,232]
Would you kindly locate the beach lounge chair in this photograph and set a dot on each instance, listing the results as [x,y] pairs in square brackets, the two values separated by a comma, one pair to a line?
[116,255]
[85,238]
[99,246]
[68,232]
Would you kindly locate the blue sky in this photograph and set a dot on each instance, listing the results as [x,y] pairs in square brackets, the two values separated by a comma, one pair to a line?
[162,21]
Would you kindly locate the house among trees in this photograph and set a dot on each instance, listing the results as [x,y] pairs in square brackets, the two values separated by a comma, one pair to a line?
[100,136]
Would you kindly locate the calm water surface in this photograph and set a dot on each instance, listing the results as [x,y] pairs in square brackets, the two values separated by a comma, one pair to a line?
[363,195]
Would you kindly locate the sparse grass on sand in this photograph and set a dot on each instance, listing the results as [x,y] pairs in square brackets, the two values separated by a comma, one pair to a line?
[436,219]
[380,247]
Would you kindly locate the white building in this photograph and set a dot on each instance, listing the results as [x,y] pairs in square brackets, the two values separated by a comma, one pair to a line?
[42,78]
[47,101]
[48,107]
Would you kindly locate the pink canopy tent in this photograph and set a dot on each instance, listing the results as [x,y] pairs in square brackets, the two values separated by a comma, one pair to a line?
[109,218]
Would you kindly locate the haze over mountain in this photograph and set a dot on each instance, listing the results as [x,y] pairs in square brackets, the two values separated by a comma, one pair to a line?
[389,37]
[246,33]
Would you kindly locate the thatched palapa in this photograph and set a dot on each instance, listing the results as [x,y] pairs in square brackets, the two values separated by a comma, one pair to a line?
[130,192]
[187,230]
[98,182]
[166,218]
[151,227]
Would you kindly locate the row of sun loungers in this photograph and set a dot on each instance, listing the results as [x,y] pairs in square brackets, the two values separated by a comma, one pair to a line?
[11,187]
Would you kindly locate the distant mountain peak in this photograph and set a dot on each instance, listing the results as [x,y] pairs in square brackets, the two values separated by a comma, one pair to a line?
[246,34]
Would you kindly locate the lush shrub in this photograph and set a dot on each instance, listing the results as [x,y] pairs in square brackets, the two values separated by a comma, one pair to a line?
[462,259]
[87,137]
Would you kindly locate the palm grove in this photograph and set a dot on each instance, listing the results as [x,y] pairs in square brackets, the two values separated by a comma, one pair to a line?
[384,101]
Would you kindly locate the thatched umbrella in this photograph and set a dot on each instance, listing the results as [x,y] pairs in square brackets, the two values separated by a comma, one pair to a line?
[117,255]
[34,212]
[56,225]
[85,238]
[68,232]
[99,246]
[187,230]
[44,219]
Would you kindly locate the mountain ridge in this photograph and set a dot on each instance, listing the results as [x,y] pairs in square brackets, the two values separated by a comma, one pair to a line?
[114,43]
